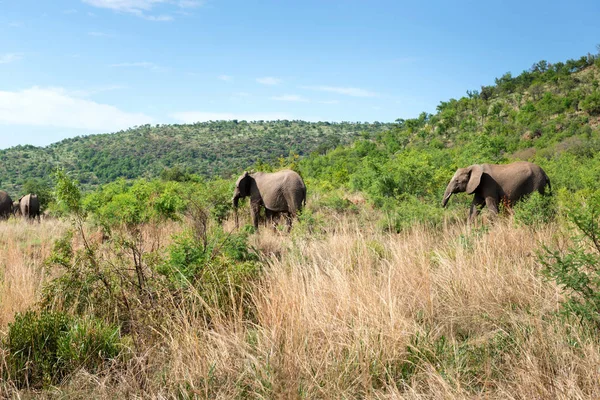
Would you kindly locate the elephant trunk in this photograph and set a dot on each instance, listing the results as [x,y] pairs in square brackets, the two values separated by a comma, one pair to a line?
[447,194]
[235,210]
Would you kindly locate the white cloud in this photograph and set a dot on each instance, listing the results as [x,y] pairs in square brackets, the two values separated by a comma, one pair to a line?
[329,102]
[142,64]
[291,97]
[10,57]
[190,117]
[348,91]
[226,78]
[55,107]
[269,80]
[142,7]
[158,18]
[100,34]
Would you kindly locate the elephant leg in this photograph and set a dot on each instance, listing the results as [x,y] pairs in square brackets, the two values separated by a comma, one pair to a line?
[255,210]
[288,219]
[478,202]
[492,204]
[270,218]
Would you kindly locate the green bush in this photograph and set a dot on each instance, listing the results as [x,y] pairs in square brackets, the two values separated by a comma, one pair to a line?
[44,348]
[535,210]
[591,104]
[577,269]
[412,211]
[219,267]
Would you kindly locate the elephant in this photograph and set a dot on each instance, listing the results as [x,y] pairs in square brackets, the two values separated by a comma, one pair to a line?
[280,193]
[29,206]
[16,208]
[493,183]
[6,205]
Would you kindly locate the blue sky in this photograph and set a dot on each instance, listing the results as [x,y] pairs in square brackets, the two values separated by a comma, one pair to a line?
[75,67]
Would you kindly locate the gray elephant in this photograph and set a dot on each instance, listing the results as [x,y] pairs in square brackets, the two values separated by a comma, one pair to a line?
[491,184]
[29,206]
[5,205]
[280,193]
[16,208]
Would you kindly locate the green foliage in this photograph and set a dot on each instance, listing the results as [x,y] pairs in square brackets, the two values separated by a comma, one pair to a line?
[409,212]
[44,348]
[577,269]
[220,266]
[535,210]
[591,104]
[67,193]
[178,153]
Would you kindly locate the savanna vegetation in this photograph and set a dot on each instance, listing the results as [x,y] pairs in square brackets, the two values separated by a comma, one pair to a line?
[209,149]
[143,288]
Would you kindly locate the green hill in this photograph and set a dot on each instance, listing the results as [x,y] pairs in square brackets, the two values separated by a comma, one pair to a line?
[209,149]
[549,114]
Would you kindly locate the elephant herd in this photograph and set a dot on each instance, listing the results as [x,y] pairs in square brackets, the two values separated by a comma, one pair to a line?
[27,206]
[284,192]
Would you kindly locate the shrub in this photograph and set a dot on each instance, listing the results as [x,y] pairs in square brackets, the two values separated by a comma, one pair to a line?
[577,269]
[220,268]
[535,210]
[591,104]
[410,211]
[44,348]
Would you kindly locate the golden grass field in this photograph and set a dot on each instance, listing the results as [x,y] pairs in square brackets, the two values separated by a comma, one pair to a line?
[449,313]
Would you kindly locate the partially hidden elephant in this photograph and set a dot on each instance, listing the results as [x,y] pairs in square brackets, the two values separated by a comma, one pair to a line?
[16,209]
[29,206]
[280,193]
[493,183]
[6,205]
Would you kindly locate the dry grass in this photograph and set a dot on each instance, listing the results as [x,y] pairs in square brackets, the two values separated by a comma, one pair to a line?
[449,313]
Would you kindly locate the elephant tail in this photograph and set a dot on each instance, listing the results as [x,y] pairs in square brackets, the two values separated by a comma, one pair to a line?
[548,183]
[304,199]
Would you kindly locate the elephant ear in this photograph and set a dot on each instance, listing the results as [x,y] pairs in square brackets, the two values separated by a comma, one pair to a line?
[475,178]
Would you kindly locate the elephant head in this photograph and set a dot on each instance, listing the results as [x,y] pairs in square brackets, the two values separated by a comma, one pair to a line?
[464,180]
[242,189]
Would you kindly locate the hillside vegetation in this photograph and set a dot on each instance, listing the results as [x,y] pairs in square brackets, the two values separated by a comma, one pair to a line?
[144,288]
[208,149]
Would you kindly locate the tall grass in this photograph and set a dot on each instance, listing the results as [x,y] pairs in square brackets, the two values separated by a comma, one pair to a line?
[455,312]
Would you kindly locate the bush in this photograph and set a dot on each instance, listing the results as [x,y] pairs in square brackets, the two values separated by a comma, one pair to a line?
[44,348]
[577,269]
[410,211]
[591,104]
[220,267]
[535,210]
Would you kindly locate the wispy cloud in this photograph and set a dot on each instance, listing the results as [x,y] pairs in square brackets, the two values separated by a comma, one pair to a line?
[100,34]
[92,91]
[15,24]
[348,91]
[57,108]
[10,57]
[158,18]
[226,78]
[141,64]
[291,97]
[141,8]
[269,80]
[329,102]
[190,117]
